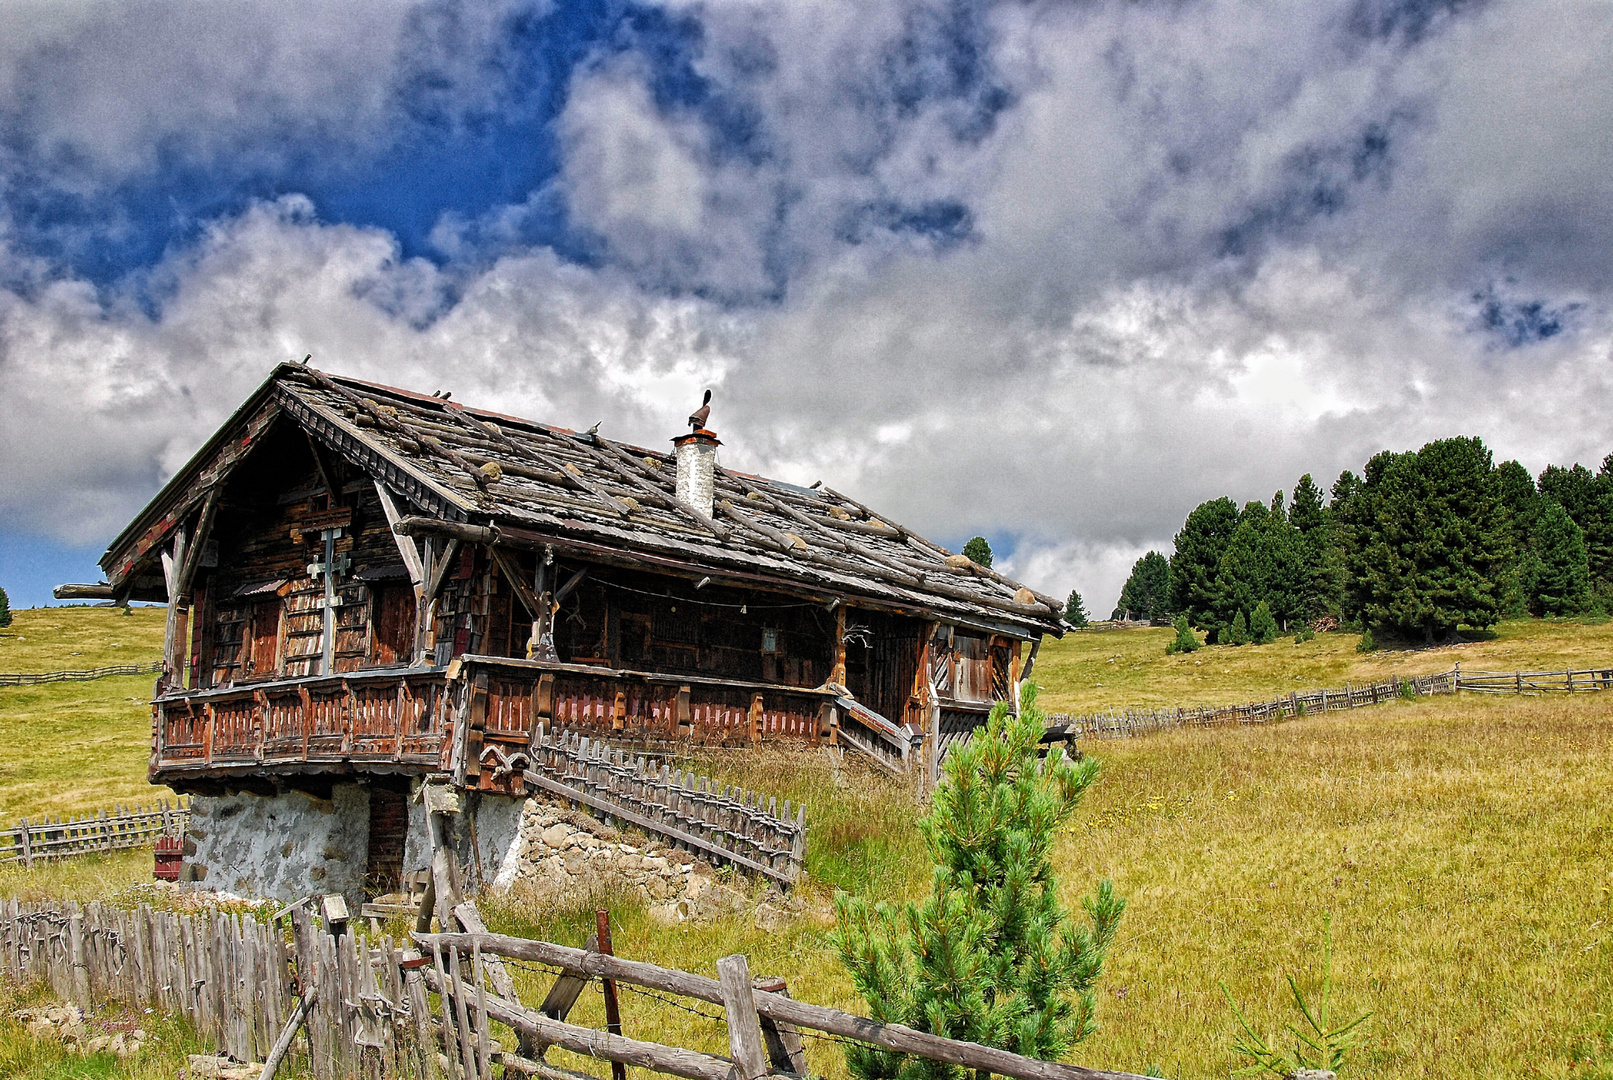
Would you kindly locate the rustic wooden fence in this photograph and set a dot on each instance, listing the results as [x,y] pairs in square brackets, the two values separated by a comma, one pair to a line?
[30,841]
[80,676]
[366,1011]
[696,813]
[1125,723]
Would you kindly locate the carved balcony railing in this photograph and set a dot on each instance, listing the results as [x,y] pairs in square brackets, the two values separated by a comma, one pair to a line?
[391,717]
[473,716]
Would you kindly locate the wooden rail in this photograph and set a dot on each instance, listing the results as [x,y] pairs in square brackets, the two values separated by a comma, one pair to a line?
[245,985]
[779,1008]
[30,841]
[80,676]
[728,824]
[1129,722]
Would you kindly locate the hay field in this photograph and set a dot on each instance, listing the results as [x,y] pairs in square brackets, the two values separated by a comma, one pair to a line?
[1092,670]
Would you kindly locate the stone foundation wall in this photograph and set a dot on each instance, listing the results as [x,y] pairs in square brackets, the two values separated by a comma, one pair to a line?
[281,846]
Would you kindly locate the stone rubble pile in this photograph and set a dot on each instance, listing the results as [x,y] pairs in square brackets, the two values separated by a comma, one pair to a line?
[67,1023]
[566,853]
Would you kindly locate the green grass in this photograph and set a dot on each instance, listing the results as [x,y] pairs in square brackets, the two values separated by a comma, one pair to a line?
[1459,845]
[76,747]
[1092,670]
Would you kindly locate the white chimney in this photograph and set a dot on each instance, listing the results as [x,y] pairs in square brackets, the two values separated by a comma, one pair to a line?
[697,469]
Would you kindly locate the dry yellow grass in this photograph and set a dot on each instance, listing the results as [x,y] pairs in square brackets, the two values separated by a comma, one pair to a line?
[1092,670]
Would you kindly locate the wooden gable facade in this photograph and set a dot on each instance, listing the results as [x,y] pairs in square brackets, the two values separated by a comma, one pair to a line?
[366,580]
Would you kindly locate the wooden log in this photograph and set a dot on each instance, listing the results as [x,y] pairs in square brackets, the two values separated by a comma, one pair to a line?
[282,1045]
[672,1060]
[802,1014]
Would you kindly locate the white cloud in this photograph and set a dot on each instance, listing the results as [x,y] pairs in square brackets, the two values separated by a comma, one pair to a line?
[1196,249]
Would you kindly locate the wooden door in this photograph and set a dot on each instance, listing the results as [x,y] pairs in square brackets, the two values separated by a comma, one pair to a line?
[263,646]
[392,614]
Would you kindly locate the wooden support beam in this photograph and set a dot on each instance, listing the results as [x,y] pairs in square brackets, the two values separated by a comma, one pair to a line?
[523,591]
[613,1012]
[406,548]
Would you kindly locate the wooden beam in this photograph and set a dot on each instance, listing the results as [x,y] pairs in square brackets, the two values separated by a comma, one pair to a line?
[689,1064]
[173,644]
[523,591]
[406,548]
[897,1037]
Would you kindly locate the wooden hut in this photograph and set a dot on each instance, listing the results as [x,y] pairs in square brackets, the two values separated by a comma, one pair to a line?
[371,585]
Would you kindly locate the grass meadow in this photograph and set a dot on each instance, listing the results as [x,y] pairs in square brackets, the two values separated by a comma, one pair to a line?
[1459,845]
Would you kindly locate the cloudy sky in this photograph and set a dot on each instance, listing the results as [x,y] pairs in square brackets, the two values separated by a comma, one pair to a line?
[1051,272]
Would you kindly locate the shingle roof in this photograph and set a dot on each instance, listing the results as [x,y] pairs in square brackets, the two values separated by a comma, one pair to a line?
[472,466]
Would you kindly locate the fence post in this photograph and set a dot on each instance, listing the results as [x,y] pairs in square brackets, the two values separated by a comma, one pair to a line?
[81,971]
[27,843]
[744,1027]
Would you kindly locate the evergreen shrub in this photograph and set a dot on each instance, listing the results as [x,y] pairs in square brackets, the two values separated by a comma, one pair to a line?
[1186,640]
[990,956]
[1262,627]
[1238,632]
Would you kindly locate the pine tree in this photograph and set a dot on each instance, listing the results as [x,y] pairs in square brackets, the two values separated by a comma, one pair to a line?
[1317,585]
[1262,625]
[978,551]
[5,609]
[1560,580]
[1238,632]
[1147,592]
[1186,640]
[1520,500]
[990,956]
[1588,498]
[1429,540]
[1199,547]
[1075,612]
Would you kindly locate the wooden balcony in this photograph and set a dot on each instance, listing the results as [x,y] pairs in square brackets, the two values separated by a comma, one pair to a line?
[477,719]
[384,720]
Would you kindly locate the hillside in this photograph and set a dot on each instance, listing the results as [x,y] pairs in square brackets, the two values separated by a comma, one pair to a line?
[68,748]
[1092,670]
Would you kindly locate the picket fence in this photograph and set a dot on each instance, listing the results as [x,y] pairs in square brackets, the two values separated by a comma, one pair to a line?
[30,841]
[80,676]
[1126,723]
[727,823]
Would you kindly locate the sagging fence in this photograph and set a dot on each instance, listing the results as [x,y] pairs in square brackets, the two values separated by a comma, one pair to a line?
[29,841]
[366,1003]
[35,679]
[727,823]
[1126,723]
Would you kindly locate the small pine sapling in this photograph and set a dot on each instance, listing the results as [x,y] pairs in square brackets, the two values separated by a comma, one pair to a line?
[1262,626]
[1238,632]
[1366,644]
[1075,611]
[5,609]
[1318,1042]
[1186,641]
[990,955]
[978,551]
